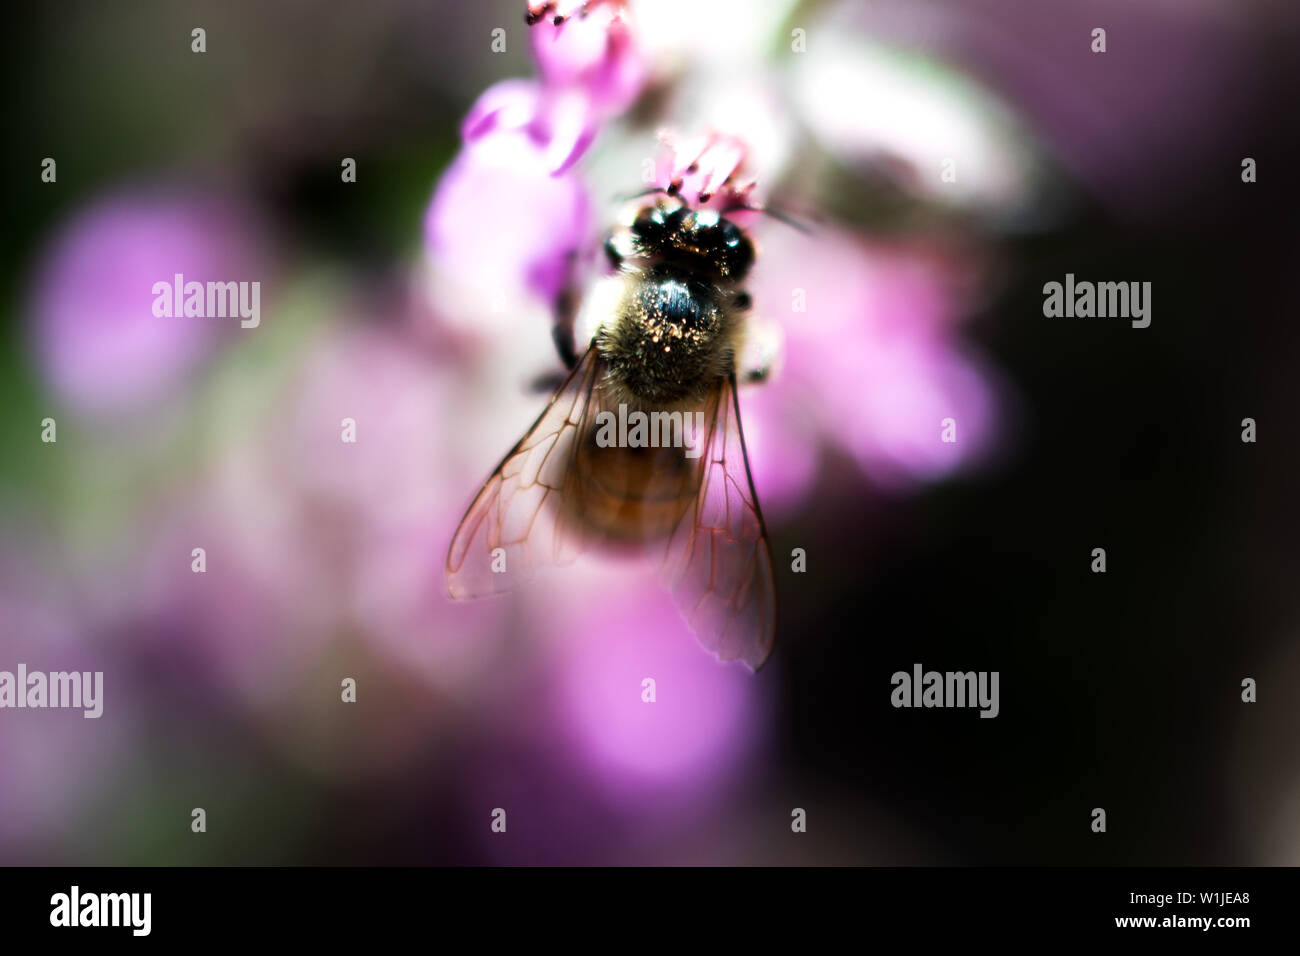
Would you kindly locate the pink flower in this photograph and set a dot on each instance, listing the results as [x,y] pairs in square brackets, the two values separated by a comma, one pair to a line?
[628,724]
[872,364]
[704,170]
[648,713]
[255,612]
[595,52]
[861,338]
[101,348]
[508,216]
[397,492]
[53,760]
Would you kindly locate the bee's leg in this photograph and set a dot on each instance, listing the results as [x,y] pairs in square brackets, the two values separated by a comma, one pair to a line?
[755,374]
[618,248]
[612,254]
[761,349]
[563,312]
[562,336]
[546,384]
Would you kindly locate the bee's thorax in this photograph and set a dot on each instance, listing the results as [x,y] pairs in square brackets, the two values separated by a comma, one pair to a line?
[670,342]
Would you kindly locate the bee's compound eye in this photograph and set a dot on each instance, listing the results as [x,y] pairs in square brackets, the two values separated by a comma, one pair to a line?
[738,251]
[678,219]
[649,223]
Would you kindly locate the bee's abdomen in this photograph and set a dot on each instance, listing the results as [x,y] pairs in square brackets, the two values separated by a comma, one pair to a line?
[669,341]
[630,495]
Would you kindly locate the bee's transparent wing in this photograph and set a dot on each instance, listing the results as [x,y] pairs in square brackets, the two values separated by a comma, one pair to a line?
[517,509]
[718,564]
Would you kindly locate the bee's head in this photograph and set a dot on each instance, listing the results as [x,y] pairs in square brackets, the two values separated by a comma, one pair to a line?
[701,239]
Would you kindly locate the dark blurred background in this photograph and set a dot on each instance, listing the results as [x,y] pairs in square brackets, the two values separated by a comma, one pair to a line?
[1119,690]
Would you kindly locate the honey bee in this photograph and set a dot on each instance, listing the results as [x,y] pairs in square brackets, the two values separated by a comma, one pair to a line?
[665,344]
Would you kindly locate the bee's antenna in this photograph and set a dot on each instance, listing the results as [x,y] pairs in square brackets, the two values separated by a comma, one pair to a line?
[769,211]
[734,207]
[645,192]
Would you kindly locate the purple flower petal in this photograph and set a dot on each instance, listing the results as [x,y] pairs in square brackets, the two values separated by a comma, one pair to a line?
[99,344]
[706,168]
[616,630]
[873,363]
[503,221]
[596,53]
